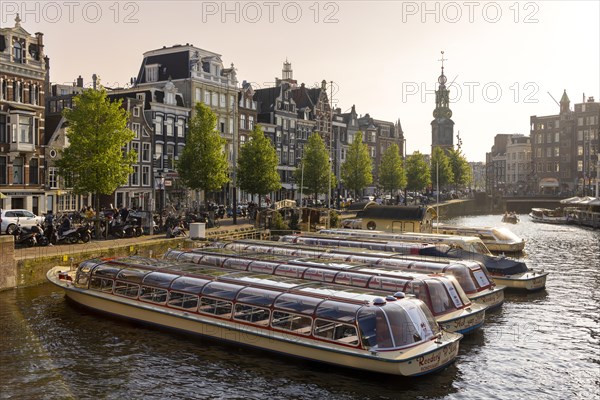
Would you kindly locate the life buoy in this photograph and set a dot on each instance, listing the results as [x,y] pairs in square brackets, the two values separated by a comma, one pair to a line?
[371,225]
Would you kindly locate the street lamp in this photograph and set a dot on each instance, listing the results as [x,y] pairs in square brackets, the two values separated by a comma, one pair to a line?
[159,184]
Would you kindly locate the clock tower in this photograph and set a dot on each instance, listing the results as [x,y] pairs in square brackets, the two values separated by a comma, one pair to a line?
[442,126]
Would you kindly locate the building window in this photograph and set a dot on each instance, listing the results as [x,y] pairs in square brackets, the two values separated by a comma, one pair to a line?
[207,97]
[135,176]
[146,152]
[52,178]
[242,121]
[18,171]
[579,165]
[3,171]
[152,73]
[145,175]
[135,127]
[198,95]
[34,171]
[135,146]
[557,152]
[215,99]
[556,137]
[556,167]
[548,151]
[222,100]
[180,128]
[158,125]
[18,52]
[3,131]
[250,122]
[169,126]
[136,111]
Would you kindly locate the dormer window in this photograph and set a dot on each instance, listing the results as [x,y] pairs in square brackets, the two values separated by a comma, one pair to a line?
[152,72]
[18,52]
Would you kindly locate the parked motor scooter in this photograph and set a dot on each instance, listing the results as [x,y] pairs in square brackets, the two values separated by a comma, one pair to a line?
[84,232]
[40,238]
[64,233]
[24,236]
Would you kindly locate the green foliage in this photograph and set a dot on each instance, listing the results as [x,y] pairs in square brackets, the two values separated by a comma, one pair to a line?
[391,172]
[95,161]
[460,168]
[203,163]
[257,165]
[317,170]
[334,219]
[357,170]
[278,223]
[417,172]
[440,162]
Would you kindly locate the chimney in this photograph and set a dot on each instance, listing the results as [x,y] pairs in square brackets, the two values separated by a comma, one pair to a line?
[80,82]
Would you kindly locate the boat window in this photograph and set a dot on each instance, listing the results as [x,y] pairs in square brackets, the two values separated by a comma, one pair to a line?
[417,289]
[374,328]
[191,257]
[481,278]
[126,289]
[440,301]
[262,267]
[387,284]
[330,309]
[106,271]
[292,322]
[189,284]
[132,275]
[352,279]
[297,303]
[479,247]
[183,300]
[257,296]
[217,307]
[236,263]
[321,275]
[153,295]
[83,273]
[223,290]
[159,279]
[463,276]
[336,331]
[210,259]
[249,313]
[101,284]
[290,271]
[506,234]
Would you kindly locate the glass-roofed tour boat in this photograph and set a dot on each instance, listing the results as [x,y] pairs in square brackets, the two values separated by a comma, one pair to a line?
[513,274]
[338,325]
[443,295]
[472,276]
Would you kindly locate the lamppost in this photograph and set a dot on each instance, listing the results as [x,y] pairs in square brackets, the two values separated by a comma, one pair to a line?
[159,184]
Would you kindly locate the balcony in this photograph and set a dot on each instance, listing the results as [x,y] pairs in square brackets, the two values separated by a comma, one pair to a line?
[22,147]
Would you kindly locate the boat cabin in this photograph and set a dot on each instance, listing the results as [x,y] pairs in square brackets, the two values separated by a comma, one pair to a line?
[397,218]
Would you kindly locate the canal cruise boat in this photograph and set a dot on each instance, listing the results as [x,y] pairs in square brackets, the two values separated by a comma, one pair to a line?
[471,276]
[549,216]
[500,240]
[443,295]
[513,274]
[320,322]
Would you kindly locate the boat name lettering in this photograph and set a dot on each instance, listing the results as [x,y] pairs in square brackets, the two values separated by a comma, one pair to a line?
[430,359]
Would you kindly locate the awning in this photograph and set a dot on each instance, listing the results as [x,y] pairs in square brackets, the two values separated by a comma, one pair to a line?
[2,195]
[549,182]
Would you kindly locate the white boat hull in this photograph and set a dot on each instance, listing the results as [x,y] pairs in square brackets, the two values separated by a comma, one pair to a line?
[418,360]
[530,281]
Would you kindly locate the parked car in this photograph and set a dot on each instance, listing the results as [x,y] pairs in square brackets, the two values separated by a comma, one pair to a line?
[9,219]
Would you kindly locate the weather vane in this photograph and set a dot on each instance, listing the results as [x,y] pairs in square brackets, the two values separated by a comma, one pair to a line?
[443,59]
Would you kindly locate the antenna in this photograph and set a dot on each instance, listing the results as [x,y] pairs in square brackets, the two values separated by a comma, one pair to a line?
[554,99]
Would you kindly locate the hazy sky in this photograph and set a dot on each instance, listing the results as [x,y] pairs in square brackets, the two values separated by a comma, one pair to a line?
[503,57]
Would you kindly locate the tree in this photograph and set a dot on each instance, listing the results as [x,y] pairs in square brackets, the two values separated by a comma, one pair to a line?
[460,168]
[94,161]
[441,163]
[391,171]
[203,162]
[317,169]
[357,170]
[257,165]
[417,172]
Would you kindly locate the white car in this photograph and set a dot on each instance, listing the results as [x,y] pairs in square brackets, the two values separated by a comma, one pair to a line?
[9,219]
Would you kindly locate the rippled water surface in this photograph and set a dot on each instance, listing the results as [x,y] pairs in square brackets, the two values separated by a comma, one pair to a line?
[543,345]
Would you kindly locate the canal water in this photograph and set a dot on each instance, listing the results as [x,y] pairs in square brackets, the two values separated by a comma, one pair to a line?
[543,345]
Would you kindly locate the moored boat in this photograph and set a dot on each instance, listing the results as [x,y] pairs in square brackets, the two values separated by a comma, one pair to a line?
[513,274]
[472,276]
[501,240]
[314,321]
[548,216]
[511,218]
[443,295]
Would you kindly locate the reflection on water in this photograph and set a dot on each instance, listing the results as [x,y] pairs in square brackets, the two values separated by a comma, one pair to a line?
[538,345]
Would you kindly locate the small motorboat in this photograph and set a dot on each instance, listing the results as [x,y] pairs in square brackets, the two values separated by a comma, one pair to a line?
[511,218]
